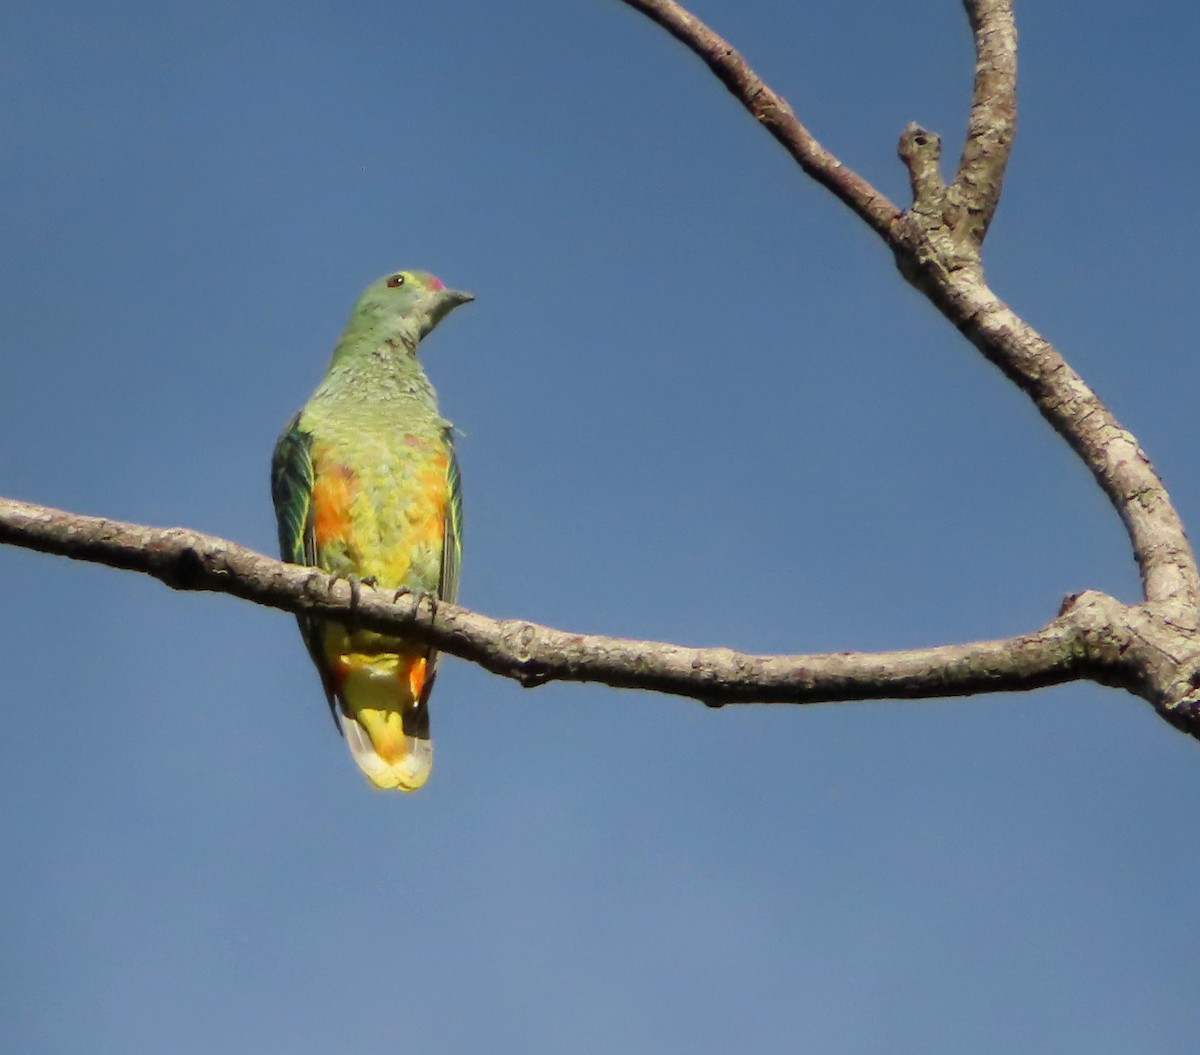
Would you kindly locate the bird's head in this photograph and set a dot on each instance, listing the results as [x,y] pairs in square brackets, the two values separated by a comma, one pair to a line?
[407,304]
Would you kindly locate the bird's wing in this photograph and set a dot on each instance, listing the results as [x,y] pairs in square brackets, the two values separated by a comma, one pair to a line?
[292,479]
[447,589]
[452,537]
[291,491]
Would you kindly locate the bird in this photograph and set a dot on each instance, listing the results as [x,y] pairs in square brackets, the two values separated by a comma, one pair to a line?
[365,485]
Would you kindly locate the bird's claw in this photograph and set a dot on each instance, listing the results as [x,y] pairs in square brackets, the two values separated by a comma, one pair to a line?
[353,582]
[419,598]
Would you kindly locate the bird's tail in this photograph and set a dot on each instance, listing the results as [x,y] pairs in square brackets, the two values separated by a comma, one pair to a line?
[382,701]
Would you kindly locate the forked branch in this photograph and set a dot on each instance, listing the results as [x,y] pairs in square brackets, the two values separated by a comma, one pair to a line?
[937,248]
[1152,649]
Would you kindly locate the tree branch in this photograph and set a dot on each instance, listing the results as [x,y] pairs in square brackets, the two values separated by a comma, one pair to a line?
[1152,649]
[937,249]
[772,111]
[1067,649]
[1120,466]
[993,119]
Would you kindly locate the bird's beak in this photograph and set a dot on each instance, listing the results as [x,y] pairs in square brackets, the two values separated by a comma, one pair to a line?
[457,297]
[446,300]
[439,304]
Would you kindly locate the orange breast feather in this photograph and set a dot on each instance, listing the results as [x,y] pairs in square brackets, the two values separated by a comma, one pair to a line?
[333,493]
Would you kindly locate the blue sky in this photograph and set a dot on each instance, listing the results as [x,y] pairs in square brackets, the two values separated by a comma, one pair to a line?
[697,404]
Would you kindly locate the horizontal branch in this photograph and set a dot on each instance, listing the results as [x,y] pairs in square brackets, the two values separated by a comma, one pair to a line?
[533,654]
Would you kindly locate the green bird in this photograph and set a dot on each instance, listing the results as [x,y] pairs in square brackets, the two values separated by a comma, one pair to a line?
[366,485]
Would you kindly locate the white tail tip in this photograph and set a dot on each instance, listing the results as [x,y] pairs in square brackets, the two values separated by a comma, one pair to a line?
[407,771]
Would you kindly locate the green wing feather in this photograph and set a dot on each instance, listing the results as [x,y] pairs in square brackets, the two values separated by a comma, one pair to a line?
[291,490]
[448,578]
[452,539]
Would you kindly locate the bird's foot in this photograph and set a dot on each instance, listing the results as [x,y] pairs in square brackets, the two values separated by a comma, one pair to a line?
[419,597]
[354,582]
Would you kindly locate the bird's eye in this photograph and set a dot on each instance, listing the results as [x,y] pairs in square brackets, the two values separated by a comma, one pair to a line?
[396,280]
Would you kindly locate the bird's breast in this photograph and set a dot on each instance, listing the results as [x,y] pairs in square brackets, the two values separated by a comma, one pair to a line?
[379,508]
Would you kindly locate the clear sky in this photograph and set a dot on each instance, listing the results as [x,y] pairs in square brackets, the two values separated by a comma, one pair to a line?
[697,404]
